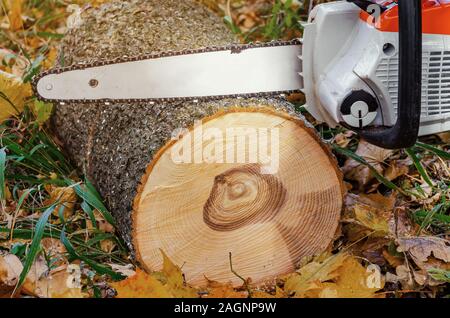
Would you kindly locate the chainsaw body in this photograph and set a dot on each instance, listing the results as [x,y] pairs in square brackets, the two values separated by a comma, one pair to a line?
[351,66]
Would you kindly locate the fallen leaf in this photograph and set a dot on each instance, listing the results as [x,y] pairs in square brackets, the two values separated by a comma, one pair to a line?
[12,63]
[175,279]
[393,260]
[10,269]
[65,196]
[423,247]
[373,219]
[374,155]
[15,14]
[58,284]
[262,294]
[402,225]
[42,111]
[125,270]
[308,278]
[141,285]
[50,60]
[107,245]
[165,284]
[403,275]
[397,168]
[344,138]
[444,137]
[354,281]
[13,94]
[54,250]
[218,290]
[102,224]
[97,3]
[340,275]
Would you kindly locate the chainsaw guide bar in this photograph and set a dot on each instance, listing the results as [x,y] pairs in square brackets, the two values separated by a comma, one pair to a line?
[233,71]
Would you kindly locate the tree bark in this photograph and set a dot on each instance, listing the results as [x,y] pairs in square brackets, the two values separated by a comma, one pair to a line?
[196,212]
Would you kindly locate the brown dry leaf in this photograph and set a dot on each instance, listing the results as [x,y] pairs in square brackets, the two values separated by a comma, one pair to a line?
[53,246]
[55,285]
[102,224]
[141,285]
[393,260]
[10,269]
[402,225]
[343,139]
[403,275]
[218,290]
[39,281]
[38,271]
[55,250]
[165,284]
[423,247]
[374,155]
[408,277]
[445,137]
[397,168]
[375,200]
[65,196]
[15,14]
[15,94]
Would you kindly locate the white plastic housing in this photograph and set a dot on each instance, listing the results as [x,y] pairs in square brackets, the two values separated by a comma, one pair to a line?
[342,53]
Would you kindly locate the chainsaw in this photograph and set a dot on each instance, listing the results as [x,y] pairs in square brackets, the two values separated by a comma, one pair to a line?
[380,68]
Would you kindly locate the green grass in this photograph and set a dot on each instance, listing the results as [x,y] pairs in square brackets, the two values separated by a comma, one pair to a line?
[30,161]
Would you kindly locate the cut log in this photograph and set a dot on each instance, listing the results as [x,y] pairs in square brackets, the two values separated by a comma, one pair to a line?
[199,180]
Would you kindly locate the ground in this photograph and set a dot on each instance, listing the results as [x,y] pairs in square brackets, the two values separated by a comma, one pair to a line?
[57,239]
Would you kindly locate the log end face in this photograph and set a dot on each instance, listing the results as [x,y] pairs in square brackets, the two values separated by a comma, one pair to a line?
[199,212]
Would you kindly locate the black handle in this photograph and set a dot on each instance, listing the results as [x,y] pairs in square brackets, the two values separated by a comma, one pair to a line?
[406,130]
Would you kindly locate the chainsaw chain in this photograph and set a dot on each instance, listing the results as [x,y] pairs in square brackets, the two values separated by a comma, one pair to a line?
[234,48]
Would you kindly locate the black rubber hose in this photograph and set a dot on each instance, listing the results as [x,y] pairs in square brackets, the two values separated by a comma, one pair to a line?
[405,131]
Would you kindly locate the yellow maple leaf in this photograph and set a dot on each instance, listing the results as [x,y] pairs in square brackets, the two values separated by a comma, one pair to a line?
[373,219]
[15,14]
[308,279]
[338,276]
[175,279]
[353,281]
[165,284]
[141,285]
[13,94]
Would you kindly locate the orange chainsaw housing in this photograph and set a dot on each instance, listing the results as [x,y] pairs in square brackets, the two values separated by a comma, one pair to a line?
[435,17]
